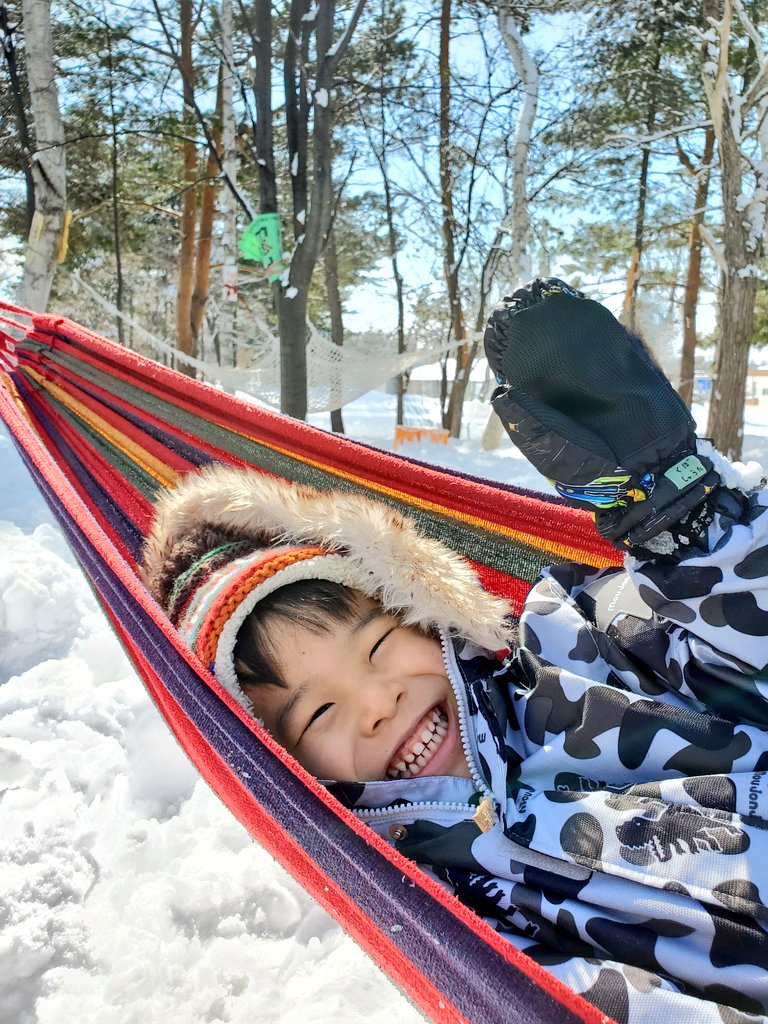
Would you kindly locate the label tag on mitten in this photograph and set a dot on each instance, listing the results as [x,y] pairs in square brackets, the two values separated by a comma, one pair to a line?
[685,472]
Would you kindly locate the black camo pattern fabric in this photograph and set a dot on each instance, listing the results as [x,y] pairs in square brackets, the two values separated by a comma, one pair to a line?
[625,758]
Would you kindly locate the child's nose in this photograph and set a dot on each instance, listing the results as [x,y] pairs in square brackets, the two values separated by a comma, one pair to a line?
[379,704]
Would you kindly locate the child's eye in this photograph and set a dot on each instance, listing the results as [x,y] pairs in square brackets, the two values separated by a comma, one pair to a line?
[320,711]
[380,641]
[315,716]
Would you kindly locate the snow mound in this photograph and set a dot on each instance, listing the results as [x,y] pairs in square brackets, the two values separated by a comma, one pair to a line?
[43,604]
[130,894]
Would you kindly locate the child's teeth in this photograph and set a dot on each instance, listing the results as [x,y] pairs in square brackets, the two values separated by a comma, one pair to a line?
[424,747]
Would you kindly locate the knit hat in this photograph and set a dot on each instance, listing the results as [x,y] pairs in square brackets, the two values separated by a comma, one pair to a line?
[287,532]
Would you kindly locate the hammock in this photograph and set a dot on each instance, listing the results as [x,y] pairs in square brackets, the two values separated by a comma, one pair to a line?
[335,374]
[100,429]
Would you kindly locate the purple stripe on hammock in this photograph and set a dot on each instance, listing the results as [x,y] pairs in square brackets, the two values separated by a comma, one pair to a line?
[473,976]
[123,526]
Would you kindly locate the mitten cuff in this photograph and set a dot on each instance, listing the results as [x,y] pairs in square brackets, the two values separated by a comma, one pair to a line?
[672,493]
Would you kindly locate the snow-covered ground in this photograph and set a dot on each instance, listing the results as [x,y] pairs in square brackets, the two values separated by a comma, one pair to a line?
[128,893]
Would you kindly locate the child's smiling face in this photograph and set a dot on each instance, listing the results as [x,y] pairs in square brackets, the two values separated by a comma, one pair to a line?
[365,700]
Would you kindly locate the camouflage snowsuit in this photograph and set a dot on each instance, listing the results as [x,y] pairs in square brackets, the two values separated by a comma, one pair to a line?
[622,753]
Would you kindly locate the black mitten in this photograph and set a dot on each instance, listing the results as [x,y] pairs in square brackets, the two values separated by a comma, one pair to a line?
[585,403]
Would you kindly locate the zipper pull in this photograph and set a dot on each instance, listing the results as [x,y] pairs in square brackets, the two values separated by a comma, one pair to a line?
[484,817]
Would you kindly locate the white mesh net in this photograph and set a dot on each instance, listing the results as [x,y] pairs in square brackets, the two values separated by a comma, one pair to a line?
[335,374]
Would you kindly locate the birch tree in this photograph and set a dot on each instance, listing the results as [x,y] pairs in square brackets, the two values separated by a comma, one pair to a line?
[738,106]
[48,163]
[516,222]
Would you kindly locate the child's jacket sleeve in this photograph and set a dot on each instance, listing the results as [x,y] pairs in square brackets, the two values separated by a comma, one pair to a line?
[698,625]
[719,598]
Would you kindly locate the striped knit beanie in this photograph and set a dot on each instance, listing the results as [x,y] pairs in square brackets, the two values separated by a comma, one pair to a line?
[211,600]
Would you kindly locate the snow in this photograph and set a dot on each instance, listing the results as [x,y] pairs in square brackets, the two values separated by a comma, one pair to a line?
[321,97]
[131,894]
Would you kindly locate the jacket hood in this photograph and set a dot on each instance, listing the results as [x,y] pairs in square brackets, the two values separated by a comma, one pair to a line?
[420,579]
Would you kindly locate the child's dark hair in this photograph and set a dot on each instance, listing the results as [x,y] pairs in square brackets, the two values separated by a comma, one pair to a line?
[312,604]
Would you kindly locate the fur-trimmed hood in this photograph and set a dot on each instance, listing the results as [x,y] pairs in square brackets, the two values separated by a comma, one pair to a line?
[420,579]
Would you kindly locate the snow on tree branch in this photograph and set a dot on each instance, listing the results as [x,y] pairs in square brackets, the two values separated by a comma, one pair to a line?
[338,49]
[714,247]
[750,29]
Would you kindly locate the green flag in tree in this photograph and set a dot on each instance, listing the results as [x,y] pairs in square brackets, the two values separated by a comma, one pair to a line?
[261,242]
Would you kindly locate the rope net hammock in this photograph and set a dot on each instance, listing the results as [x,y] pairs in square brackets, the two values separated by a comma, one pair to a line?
[250,362]
[101,429]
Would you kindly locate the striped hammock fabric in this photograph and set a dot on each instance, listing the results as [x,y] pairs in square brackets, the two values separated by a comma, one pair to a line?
[101,429]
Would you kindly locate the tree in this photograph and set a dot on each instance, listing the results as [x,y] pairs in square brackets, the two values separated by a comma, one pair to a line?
[225,333]
[385,82]
[19,102]
[701,175]
[452,418]
[196,239]
[49,167]
[735,73]
[516,221]
[311,55]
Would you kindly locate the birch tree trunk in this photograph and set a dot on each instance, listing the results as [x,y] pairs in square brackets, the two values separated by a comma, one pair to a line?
[115,165]
[380,152]
[49,169]
[202,278]
[516,223]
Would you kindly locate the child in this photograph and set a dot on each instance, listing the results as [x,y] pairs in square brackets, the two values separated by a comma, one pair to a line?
[599,795]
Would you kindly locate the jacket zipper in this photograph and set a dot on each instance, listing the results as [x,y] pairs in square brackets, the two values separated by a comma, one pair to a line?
[452,807]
